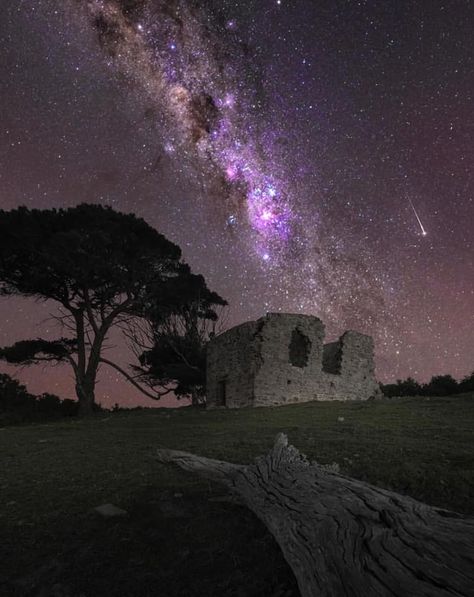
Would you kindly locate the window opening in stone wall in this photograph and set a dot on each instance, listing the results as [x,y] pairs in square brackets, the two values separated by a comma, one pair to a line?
[222,393]
[299,349]
[332,358]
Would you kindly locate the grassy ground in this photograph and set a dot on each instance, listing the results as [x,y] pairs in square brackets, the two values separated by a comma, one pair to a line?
[178,538]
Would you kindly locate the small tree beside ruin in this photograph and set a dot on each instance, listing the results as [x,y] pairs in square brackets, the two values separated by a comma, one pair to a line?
[171,343]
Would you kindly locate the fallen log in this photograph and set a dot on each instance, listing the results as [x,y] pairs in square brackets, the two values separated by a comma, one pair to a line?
[343,537]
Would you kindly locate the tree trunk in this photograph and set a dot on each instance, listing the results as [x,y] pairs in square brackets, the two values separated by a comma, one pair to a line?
[343,537]
[86,397]
[196,398]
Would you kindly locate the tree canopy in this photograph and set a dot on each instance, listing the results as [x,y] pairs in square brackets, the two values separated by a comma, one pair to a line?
[174,342]
[103,269]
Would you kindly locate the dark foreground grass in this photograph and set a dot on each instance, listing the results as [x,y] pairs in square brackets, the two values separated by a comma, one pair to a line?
[179,539]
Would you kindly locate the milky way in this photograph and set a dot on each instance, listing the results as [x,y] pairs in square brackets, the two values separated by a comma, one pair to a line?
[197,75]
[191,68]
[282,145]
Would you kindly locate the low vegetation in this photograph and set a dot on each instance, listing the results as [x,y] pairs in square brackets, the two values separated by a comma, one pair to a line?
[181,536]
[18,406]
[439,385]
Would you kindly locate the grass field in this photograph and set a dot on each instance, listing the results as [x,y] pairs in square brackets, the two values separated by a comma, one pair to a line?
[179,539]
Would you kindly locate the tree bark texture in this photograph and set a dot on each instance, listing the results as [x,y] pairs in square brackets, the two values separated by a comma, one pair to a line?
[343,537]
[86,398]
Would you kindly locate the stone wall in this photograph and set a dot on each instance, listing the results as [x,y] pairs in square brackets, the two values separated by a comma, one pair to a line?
[332,357]
[281,359]
[291,348]
[348,369]
[230,365]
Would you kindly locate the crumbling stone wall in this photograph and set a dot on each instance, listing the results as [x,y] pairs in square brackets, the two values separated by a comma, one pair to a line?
[332,357]
[230,362]
[291,348]
[348,366]
[281,359]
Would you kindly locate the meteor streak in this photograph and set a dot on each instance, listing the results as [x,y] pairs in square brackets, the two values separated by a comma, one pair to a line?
[423,231]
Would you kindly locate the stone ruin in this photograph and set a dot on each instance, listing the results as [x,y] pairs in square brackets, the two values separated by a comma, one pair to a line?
[281,359]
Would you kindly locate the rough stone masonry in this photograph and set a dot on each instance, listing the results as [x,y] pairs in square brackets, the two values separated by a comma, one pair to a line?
[281,359]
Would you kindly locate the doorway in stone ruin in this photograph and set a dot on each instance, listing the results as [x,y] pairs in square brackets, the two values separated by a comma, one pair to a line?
[299,349]
[222,393]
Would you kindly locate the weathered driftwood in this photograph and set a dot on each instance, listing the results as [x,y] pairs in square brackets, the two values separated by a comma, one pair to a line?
[343,537]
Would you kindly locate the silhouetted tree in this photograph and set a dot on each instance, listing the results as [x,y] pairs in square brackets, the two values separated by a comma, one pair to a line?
[467,384]
[102,268]
[441,385]
[14,396]
[18,405]
[174,340]
[407,387]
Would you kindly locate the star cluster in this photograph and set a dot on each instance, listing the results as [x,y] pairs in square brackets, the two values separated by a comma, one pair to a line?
[308,157]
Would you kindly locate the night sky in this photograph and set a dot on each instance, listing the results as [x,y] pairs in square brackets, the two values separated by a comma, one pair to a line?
[310,156]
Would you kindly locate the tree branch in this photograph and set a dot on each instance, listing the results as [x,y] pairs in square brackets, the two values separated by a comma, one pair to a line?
[81,347]
[90,313]
[73,364]
[130,379]
[118,309]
